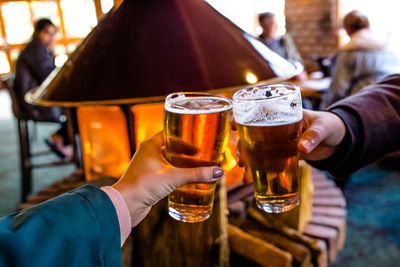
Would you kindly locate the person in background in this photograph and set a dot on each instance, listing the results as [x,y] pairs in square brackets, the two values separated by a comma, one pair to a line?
[88,226]
[362,61]
[34,64]
[283,45]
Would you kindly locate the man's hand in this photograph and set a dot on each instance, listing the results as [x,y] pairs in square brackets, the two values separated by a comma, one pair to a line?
[322,133]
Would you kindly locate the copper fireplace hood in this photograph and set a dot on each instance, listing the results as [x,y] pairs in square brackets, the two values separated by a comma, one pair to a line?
[146,49]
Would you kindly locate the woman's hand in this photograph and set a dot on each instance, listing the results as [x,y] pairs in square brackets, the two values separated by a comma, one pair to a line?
[149,178]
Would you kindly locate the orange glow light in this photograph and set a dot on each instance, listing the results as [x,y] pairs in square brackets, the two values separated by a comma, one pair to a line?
[105,143]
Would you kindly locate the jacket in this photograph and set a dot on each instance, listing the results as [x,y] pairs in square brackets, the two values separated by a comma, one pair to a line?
[34,64]
[372,120]
[79,228]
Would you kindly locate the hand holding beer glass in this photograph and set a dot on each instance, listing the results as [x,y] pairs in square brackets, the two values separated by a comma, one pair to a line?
[269,119]
[196,132]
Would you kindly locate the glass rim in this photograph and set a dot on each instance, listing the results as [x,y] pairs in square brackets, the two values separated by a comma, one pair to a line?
[169,100]
[236,95]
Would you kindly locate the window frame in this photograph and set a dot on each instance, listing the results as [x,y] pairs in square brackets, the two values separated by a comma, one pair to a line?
[64,40]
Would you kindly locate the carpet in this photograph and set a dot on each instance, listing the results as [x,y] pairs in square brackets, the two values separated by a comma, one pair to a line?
[9,158]
[373,218]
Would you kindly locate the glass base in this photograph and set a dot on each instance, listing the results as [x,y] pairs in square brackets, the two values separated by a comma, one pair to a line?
[189,217]
[278,207]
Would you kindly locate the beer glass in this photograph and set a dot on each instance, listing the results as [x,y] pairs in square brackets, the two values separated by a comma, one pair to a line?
[196,132]
[269,119]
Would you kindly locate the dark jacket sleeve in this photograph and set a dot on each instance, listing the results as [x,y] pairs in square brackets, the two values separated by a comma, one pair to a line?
[79,228]
[372,119]
[39,61]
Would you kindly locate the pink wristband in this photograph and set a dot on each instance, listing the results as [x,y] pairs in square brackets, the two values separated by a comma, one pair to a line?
[124,218]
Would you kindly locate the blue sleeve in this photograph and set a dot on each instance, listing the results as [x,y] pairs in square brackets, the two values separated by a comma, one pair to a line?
[78,228]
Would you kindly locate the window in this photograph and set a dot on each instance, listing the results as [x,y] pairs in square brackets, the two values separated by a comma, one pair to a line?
[79,17]
[382,15]
[73,18]
[244,13]
[17,21]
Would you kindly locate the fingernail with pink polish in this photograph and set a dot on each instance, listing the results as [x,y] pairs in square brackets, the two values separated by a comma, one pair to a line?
[218,172]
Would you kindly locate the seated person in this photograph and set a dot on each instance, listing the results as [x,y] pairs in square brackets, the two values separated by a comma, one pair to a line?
[362,61]
[284,45]
[33,66]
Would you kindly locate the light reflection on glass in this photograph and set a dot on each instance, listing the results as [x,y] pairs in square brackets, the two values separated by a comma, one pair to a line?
[17,20]
[79,17]
[4,65]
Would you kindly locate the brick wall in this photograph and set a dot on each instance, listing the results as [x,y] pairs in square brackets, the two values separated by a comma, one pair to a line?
[312,24]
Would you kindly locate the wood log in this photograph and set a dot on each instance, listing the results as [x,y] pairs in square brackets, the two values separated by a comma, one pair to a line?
[301,254]
[318,253]
[326,233]
[160,240]
[323,183]
[337,223]
[329,211]
[328,192]
[338,201]
[257,250]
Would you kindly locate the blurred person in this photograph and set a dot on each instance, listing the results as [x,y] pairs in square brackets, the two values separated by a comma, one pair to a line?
[88,226]
[282,45]
[362,61]
[33,66]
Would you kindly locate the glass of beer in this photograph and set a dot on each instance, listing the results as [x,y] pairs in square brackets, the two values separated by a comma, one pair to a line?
[196,132]
[269,119]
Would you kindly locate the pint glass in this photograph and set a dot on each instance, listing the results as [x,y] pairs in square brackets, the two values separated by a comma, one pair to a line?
[268,119]
[196,132]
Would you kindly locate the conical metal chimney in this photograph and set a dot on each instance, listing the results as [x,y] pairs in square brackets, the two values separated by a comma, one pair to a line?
[149,48]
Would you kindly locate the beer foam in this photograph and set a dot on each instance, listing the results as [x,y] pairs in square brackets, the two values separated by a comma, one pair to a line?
[267,105]
[281,119]
[197,105]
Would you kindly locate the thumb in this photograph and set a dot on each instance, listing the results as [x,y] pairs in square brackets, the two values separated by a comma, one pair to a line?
[182,176]
[310,139]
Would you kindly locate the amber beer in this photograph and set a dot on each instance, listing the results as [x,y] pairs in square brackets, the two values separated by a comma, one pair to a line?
[269,123]
[196,129]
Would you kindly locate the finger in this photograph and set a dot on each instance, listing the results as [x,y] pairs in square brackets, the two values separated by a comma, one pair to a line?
[233,125]
[154,143]
[310,139]
[178,160]
[177,145]
[242,158]
[247,177]
[182,176]
[163,151]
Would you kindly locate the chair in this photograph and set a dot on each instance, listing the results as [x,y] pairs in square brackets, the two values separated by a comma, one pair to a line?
[26,154]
